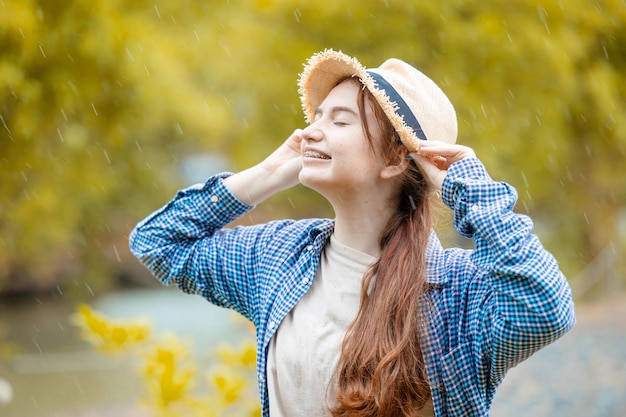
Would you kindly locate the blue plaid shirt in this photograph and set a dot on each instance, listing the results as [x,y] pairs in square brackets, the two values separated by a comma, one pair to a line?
[489,308]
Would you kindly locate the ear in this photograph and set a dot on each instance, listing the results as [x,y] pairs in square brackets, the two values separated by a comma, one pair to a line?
[396,167]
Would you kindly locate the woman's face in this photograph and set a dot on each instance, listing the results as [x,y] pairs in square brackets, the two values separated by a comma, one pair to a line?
[336,154]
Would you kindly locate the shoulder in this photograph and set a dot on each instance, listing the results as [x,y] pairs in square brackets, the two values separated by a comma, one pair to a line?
[449,267]
[290,227]
[286,234]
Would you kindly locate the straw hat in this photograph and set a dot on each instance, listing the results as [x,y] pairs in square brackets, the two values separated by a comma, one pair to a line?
[414,104]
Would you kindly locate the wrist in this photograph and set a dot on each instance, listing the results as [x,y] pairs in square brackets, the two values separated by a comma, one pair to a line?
[253,185]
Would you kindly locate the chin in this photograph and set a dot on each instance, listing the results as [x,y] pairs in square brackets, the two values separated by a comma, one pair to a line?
[311,181]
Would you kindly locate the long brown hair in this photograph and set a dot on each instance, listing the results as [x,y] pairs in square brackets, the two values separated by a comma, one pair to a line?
[381,369]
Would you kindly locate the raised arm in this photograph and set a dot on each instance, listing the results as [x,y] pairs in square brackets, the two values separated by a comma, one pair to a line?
[184,242]
[514,298]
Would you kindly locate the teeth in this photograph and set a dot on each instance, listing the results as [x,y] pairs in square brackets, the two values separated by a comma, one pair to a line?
[313,154]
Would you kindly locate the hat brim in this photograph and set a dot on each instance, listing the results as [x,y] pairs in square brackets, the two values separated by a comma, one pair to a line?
[322,73]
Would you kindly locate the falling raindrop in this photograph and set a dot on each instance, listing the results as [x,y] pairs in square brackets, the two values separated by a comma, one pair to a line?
[60,135]
[90,290]
[41,50]
[525,179]
[156,9]
[130,55]
[117,254]
[72,86]
[606,53]
[297,14]
[79,387]
[542,17]
[4,124]
[94,109]
[107,157]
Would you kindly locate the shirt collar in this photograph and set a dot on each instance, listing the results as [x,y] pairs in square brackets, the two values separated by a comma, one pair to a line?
[435,254]
[436,262]
[323,229]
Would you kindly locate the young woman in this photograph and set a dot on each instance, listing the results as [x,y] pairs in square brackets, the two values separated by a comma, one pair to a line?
[366,314]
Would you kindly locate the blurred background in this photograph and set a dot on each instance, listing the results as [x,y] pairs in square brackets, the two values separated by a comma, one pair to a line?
[107,107]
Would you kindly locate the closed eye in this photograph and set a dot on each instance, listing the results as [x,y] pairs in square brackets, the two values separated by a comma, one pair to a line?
[337,112]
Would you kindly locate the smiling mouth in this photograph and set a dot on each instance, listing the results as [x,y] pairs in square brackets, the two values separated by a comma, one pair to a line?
[313,154]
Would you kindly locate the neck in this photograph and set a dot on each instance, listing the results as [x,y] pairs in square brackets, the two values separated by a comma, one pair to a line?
[359,222]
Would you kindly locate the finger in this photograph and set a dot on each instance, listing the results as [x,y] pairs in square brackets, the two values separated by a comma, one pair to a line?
[431,170]
[446,149]
[296,135]
[438,160]
[441,162]
[429,142]
[437,150]
[294,141]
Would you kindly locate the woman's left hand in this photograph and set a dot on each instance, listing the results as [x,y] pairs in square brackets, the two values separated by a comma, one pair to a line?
[435,157]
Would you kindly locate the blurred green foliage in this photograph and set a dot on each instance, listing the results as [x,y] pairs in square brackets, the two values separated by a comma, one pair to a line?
[101,101]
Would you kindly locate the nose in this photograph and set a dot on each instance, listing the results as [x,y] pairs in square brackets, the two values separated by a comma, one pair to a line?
[312,132]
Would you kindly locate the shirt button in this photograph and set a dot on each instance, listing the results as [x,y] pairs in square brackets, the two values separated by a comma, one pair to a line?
[272,325]
[214,199]
[310,247]
[305,281]
[474,208]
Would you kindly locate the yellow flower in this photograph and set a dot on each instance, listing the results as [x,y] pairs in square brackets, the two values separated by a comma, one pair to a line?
[244,355]
[167,371]
[108,334]
[228,383]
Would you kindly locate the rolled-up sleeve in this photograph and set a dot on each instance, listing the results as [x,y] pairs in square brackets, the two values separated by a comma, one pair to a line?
[184,244]
[519,300]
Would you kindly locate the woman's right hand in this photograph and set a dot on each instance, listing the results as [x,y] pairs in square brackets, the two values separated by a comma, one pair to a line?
[275,173]
[435,157]
[285,163]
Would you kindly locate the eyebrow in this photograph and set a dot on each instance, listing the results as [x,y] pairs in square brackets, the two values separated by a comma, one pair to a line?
[337,109]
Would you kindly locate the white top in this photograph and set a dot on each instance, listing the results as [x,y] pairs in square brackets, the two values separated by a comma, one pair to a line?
[305,350]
